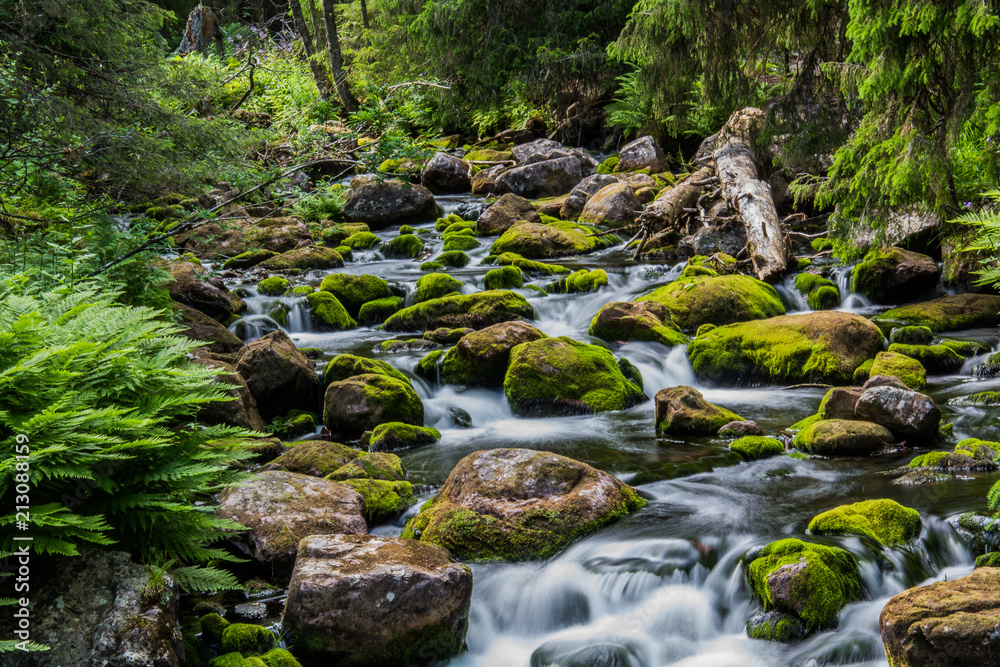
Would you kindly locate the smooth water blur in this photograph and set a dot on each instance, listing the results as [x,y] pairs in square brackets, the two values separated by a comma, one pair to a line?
[665,586]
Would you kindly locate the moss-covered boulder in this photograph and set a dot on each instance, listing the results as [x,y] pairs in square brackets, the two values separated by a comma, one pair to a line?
[396,437]
[898,365]
[894,275]
[344,366]
[506,277]
[519,504]
[379,310]
[948,623]
[446,336]
[527,265]
[908,414]
[683,410]
[463,242]
[934,358]
[883,521]
[355,290]
[753,447]
[480,358]
[305,259]
[911,336]
[821,293]
[628,321]
[811,581]
[843,437]
[362,402]
[581,281]
[475,311]
[280,508]
[318,458]
[384,500]
[504,213]
[775,626]
[949,313]
[376,601]
[435,286]
[247,639]
[328,313]
[429,368]
[273,286]
[407,246]
[612,205]
[280,377]
[825,346]
[453,258]
[334,235]
[707,299]
[248,259]
[555,239]
[370,465]
[362,241]
[561,376]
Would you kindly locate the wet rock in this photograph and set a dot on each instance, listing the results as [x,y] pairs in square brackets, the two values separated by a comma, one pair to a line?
[612,205]
[317,458]
[628,321]
[643,153]
[446,173]
[908,414]
[353,291]
[821,293]
[839,403]
[519,504]
[606,651]
[577,198]
[726,237]
[754,447]
[236,237]
[212,299]
[980,533]
[378,311]
[503,213]
[396,437]
[895,364]
[542,150]
[304,259]
[776,626]
[328,313]
[360,403]
[683,410]
[384,500]
[484,182]
[241,410]
[480,358]
[372,600]
[949,313]
[474,311]
[344,366]
[506,277]
[547,241]
[713,299]
[280,508]
[560,376]
[824,346]
[549,178]
[843,437]
[280,377]
[198,326]
[91,610]
[446,336]
[404,246]
[579,282]
[389,202]
[894,275]
[934,358]
[911,336]
[945,623]
[741,428]
[810,581]
[436,285]
[883,521]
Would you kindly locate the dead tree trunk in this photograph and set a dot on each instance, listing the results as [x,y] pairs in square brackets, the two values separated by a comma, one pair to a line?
[323,83]
[749,196]
[201,31]
[336,60]
[663,215]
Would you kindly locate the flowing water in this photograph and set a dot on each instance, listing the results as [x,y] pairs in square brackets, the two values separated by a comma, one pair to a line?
[664,586]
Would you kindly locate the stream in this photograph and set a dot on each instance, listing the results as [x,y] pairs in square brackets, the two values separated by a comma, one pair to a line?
[665,585]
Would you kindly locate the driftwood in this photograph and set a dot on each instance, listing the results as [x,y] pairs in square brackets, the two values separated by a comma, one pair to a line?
[663,215]
[749,196]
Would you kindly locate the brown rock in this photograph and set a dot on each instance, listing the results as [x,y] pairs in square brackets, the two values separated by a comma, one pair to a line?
[643,153]
[578,196]
[188,288]
[279,376]
[446,173]
[684,410]
[388,202]
[612,204]
[198,326]
[480,358]
[503,213]
[242,410]
[839,403]
[907,413]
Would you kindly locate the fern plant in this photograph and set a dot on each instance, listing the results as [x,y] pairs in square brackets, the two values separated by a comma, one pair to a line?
[102,392]
[986,221]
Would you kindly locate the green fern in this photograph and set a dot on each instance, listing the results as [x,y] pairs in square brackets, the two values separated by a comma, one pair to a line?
[986,221]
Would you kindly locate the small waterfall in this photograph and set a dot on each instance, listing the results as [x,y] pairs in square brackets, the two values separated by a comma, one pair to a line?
[793,299]
[849,301]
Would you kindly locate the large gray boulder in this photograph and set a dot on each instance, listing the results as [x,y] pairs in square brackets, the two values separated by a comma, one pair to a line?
[643,153]
[388,202]
[446,173]
[92,611]
[577,198]
[372,600]
[907,413]
[549,178]
[280,508]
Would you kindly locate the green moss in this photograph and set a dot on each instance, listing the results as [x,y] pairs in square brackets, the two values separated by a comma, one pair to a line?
[432,266]
[692,413]
[609,165]
[379,310]
[248,259]
[453,258]
[948,313]
[704,329]
[212,627]
[753,447]
[273,286]
[477,311]
[824,346]
[506,277]
[295,423]
[279,657]
[581,281]
[397,400]
[884,521]
[489,155]
[988,560]
[318,458]
[934,358]
[911,336]
[821,293]
[863,372]
[329,312]
[821,244]
[228,660]
[370,465]
[246,639]
[552,238]
[163,213]
[404,245]
[459,242]
[717,300]
[466,226]
[926,460]
[987,450]
[446,222]
[910,371]
[529,266]
[302,290]
[563,376]
[978,398]
[396,436]
[401,165]
[828,582]
[344,366]
[775,626]
[361,241]
[965,348]
[383,500]
[345,252]
[623,322]
[429,368]
[435,286]
[842,437]
[355,290]
[805,423]
[304,259]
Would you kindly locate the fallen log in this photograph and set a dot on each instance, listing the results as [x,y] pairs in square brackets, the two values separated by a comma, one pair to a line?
[662,217]
[749,196]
